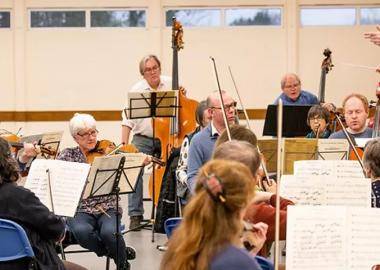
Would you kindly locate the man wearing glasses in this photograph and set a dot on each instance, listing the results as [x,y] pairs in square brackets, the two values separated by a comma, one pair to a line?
[150,69]
[202,144]
[292,93]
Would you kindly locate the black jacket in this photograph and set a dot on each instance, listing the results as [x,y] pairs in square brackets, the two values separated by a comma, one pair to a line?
[42,226]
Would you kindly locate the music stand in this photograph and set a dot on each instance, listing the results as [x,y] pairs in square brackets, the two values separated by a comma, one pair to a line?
[151,105]
[114,175]
[294,123]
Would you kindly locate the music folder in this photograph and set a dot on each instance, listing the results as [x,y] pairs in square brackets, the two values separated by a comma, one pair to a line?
[294,121]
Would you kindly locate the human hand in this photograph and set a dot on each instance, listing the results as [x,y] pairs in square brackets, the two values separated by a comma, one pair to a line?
[255,237]
[30,151]
[270,185]
[374,37]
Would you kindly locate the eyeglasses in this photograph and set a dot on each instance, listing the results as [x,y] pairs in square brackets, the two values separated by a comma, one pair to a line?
[151,70]
[227,106]
[87,135]
[292,86]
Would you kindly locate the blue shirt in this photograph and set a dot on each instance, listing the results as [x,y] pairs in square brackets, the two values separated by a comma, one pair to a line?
[367,133]
[200,152]
[305,98]
[233,258]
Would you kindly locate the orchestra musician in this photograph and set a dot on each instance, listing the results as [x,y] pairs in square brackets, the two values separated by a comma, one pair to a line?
[42,227]
[243,148]
[371,162]
[292,93]
[202,144]
[150,69]
[318,119]
[95,221]
[355,110]
[209,234]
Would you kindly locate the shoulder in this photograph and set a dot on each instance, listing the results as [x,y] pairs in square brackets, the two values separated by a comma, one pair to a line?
[311,98]
[233,258]
[337,135]
[71,154]
[139,86]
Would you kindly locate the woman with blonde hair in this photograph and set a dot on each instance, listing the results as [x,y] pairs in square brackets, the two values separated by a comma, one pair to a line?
[209,235]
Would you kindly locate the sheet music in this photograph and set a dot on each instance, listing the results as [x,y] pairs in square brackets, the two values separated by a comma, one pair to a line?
[335,168]
[316,238]
[51,141]
[332,237]
[298,149]
[103,172]
[140,104]
[67,182]
[323,190]
[333,149]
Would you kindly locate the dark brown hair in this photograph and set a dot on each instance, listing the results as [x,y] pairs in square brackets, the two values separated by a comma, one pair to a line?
[8,166]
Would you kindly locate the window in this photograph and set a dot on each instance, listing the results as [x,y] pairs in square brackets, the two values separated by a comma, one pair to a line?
[254,16]
[370,16]
[118,18]
[328,16]
[5,19]
[58,19]
[195,17]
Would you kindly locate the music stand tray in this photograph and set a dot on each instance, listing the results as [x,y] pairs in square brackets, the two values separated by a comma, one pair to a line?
[294,121]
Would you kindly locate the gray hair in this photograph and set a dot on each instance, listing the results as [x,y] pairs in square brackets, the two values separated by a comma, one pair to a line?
[285,78]
[371,157]
[240,151]
[81,121]
[146,58]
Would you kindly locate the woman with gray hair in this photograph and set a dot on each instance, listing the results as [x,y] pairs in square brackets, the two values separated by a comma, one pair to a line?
[371,162]
[95,221]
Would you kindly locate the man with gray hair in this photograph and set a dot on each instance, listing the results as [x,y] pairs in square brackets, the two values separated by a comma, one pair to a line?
[150,69]
[292,93]
[202,144]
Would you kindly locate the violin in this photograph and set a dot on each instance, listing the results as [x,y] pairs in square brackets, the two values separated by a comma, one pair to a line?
[106,148]
[15,143]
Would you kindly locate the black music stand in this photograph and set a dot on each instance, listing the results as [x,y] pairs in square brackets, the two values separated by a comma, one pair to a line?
[294,121]
[151,105]
[108,176]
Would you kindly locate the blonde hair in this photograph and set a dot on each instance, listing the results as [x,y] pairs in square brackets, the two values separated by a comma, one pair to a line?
[362,98]
[209,224]
[81,121]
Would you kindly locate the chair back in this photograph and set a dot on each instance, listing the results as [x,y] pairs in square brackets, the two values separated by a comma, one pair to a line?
[14,242]
[264,263]
[170,224]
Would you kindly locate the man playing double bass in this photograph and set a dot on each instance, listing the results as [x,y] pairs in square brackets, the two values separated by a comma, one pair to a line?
[150,69]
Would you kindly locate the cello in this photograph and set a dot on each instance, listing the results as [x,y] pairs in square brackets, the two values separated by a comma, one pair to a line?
[171,132]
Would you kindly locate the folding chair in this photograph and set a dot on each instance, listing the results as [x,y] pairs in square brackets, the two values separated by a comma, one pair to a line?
[170,224]
[14,244]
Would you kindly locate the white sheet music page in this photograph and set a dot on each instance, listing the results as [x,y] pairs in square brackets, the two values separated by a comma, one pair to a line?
[332,237]
[67,182]
[316,238]
[364,247]
[326,190]
[336,168]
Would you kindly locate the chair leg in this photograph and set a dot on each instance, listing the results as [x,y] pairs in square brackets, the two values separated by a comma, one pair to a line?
[108,263]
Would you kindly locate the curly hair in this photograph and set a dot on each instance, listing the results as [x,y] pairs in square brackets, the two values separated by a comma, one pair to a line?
[8,167]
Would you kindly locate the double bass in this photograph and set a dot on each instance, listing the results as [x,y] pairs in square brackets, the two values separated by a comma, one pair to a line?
[172,131]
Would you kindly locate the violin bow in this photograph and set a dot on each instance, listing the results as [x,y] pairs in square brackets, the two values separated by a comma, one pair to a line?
[248,125]
[279,169]
[221,98]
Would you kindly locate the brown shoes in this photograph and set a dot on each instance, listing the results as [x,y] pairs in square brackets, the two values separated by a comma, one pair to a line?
[135,223]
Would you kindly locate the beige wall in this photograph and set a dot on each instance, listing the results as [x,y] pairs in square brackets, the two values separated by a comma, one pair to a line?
[92,69]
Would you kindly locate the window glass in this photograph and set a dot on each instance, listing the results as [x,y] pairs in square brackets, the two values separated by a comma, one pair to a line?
[118,18]
[5,19]
[255,16]
[194,17]
[370,16]
[58,19]
[328,16]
